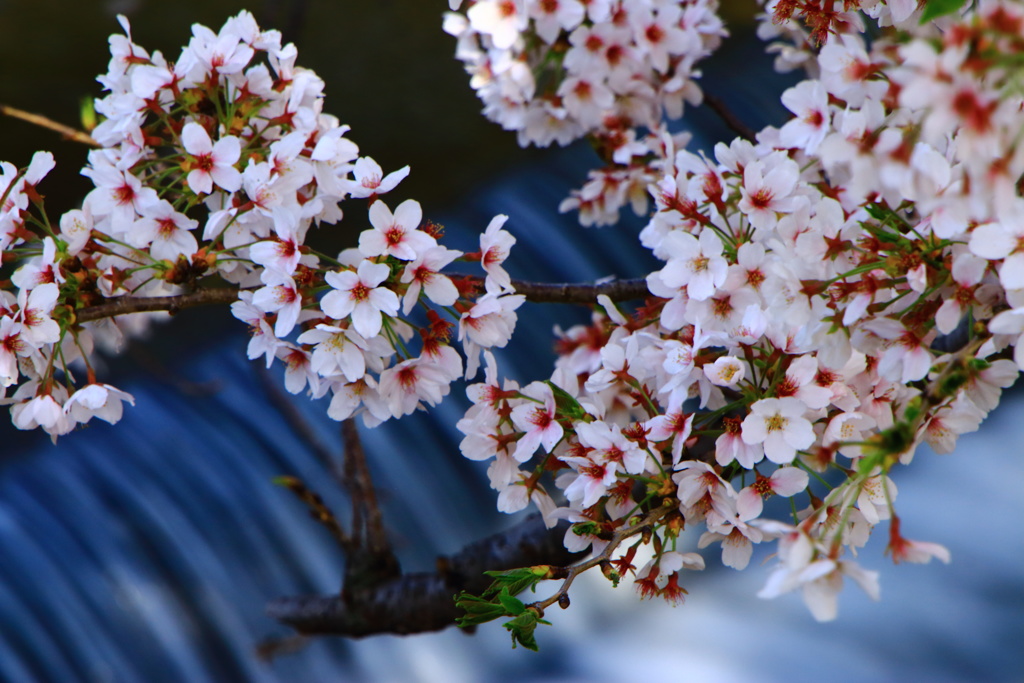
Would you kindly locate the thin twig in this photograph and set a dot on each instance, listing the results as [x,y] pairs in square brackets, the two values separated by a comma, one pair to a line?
[538,292]
[581,293]
[67,132]
[730,119]
[269,649]
[319,511]
[143,304]
[605,555]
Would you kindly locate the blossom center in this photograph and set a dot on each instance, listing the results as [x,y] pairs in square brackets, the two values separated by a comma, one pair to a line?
[360,292]
[699,264]
[762,199]
[394,236]
[776,422]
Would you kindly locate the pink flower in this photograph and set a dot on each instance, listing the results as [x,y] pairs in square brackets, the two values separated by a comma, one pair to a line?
[494,248]
[279,295]
[358,294]
[809,103]
[785,482]
[768,186]
[395,235]
[610,445]
[905,550]
[502,20]
[38,327]
[591,481]
[405,385]
[211,163]
[165,232]
[780,424]
[336,350]
[730,446]
[674,424]
[423,275]
[552,16]
[537,420]
[370,179]
[97,400]
[12,345]
[697,264]
[488,324]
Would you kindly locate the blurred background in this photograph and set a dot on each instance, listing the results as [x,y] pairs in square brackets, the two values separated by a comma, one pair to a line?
[147,551]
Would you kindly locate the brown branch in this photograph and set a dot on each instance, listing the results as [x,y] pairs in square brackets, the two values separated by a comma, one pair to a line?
[318,510]
[421,602]
[565,293]
[372,561]
[67,132]
[730,119]
[537,292]
[171,304]
[605,555]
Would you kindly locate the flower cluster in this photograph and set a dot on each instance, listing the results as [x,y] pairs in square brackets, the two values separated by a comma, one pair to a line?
[559,70]
[213,168]
[833,293]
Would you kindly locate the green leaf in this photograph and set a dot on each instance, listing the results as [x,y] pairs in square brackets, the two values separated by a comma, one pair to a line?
[516,580]
[478,610]
[934,9]
[522,628]
[513,606]
[979,364]
[565,403]
[586,529]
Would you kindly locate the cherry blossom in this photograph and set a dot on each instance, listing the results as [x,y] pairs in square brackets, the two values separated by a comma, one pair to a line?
[833,292]
[360,295]
[213,162]
[780,424]
[395,234]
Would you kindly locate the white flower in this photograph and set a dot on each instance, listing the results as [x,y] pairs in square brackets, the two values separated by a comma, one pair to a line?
[488,324]
[281,296]
[165,232]
[97,400]
[494,248]
[405,385]
[395,234]
[725,371]
[780,424]
[809,102]
[697,264]
[768,186]
[502,20]
[370,178]
[212,163]
[423,275]
[358,294]
[538,422]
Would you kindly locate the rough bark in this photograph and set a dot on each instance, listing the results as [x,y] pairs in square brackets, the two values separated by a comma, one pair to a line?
[415,603]
[538,292]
